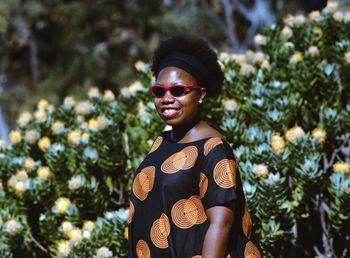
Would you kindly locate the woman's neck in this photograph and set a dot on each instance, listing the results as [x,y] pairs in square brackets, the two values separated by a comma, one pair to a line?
[188,132]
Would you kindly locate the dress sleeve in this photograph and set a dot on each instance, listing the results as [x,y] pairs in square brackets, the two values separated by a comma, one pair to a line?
[219,172]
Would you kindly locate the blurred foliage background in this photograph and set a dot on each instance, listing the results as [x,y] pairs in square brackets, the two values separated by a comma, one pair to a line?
[65,176]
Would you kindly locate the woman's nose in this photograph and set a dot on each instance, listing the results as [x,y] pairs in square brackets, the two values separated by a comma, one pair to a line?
[168,98]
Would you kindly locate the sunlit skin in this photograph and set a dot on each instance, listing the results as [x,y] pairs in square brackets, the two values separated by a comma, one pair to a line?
[187,126]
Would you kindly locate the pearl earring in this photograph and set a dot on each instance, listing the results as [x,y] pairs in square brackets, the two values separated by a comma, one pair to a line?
[200,101]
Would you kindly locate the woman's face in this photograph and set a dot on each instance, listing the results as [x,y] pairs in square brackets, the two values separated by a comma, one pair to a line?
[178,111]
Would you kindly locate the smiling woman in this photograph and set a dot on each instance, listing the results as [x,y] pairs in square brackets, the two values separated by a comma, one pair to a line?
[187,198]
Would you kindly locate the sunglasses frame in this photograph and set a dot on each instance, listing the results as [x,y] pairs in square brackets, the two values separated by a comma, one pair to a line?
[187,89]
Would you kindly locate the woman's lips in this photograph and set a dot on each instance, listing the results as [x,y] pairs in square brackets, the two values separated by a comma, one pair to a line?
[169,113]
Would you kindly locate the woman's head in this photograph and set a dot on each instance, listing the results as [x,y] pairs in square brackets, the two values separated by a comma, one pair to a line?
[186,71]
[193,55]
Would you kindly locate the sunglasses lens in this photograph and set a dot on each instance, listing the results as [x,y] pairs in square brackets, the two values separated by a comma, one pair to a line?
[177,91]
[158,91]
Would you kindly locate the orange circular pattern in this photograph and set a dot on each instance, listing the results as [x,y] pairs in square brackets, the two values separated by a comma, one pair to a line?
[246,222]
[203,185]
[211,144]
[131,212]
[225,173]
[143,182]
[157,142]
[184,159]
[251,251]
[188,212]
[160,231]
[142,250]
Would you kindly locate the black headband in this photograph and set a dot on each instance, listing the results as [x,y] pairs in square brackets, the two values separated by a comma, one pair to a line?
[187,63]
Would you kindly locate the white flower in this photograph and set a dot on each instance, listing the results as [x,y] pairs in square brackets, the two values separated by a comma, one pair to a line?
[224,56]
[20,188]
[29,164]
[15,136]
[66,226]
[140,66]
[125,92]
[62,204]
[338,16]
[102,122]
[74,137]
[42,104]
[347,57]
[21,175]
[260,40]
[299,20]
[295,133]
[135,86]
[86,234]
[288,45]
[40,115]
[85,137]
[44,172]
[13,227]
[104,252]
[314,15]
[57,127]
[94,92]
[12,181]
[84,125]
[246,70]
[143,110]
[260,170]
[3,144]
[239,58]
[317,33]
[108,95]
[63,247]
[230,105]
[313,51]
[289,20]
[277,143]
[83,107]
[31,136]
[50,108]
[259,57]
[331,6]
[24,118]
[296,58]
[265,64]
[347,16]
[75,183]
[68,102]
[44,143]
[287,32]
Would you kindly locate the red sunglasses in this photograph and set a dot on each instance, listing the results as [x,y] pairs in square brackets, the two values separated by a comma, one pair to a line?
[176,90]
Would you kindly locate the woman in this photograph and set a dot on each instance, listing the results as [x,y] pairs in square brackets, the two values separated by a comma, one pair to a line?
[187,198]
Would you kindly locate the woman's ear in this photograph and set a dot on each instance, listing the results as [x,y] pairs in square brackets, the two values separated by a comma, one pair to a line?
[202,96]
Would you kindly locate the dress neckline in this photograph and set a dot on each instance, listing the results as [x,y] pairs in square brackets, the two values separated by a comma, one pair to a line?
[166,137]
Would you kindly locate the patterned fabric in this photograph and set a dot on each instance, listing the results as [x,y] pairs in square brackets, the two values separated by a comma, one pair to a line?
[171,190]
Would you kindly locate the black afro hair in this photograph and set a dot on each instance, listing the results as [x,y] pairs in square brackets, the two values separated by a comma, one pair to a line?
[198,48]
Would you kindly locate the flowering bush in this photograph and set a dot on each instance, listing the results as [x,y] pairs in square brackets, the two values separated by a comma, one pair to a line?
[284,109]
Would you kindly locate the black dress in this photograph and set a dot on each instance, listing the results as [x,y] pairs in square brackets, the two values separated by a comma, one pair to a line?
[171,190]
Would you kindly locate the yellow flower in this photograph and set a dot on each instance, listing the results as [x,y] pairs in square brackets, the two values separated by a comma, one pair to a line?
[12,181]
[341,167]
[66,227]
[75,235]
[42,104]
[24,118]
[126,233]
[21,175]
[260,170]
[63,247]
[85,137]
[108,95]
[88,225]
[62,204]
[15,136]
[93,124]
[40,115]
[314,15]
[29,164]
[57,127]
[297,57]
[31,136]
[265,64]
[260,40]
[295,133]
[230,105]
[287,32]
[44,172]
[74,137]
[347,57]
[317,33]
[277,143]
[319,134]
[44,143]
[20,188]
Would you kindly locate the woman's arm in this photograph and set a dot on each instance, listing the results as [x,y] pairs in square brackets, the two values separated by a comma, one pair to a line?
[220,221]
